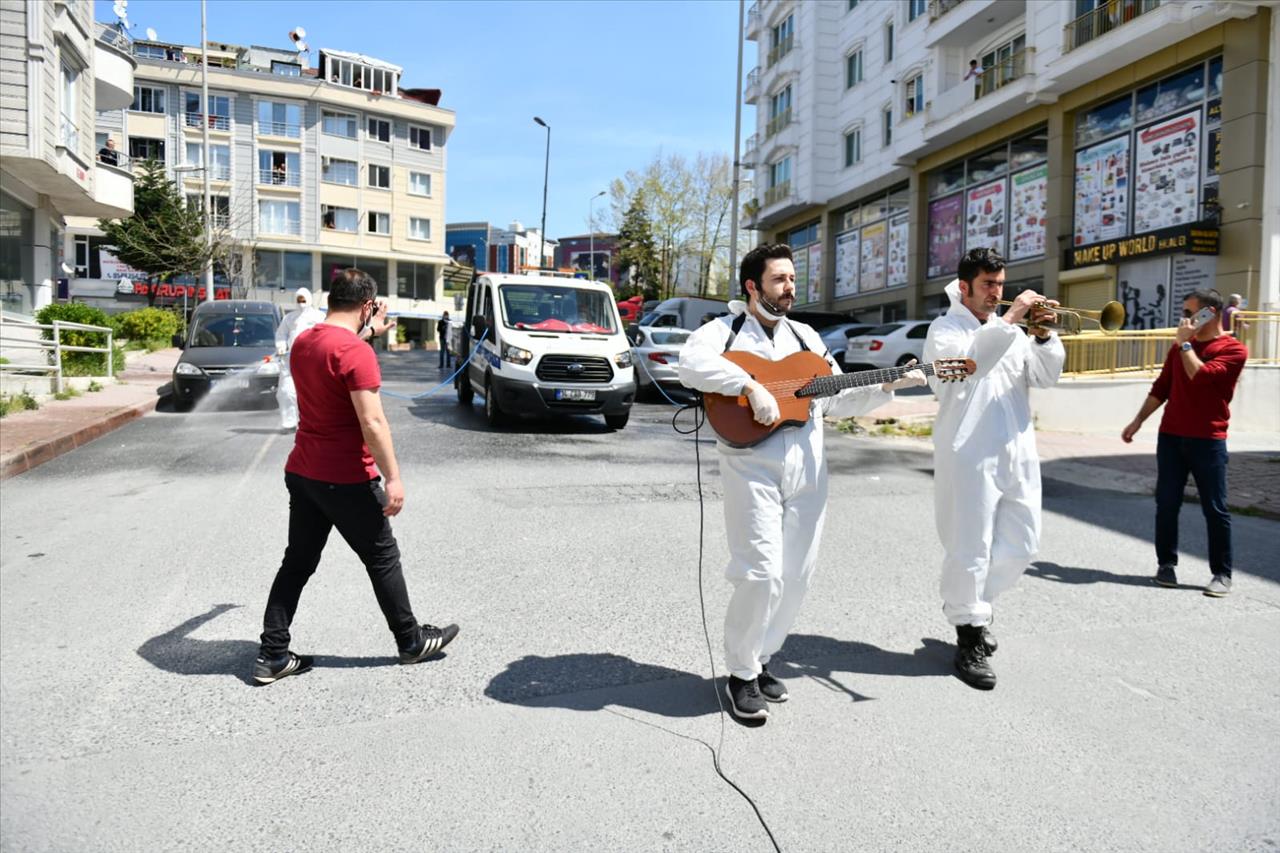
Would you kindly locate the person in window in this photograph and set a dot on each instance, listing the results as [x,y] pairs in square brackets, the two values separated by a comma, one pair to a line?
[975,71]
[279,174]
[329,223]
[108,154]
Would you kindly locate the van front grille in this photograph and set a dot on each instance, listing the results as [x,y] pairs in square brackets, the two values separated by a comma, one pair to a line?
[574,368]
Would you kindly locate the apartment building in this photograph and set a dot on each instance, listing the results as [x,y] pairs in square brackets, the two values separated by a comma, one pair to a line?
[502,250]
[1110,149]
[58,70]
[313,170]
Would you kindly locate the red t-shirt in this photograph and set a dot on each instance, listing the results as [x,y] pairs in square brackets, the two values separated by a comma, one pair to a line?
[328,363]
[1197,408]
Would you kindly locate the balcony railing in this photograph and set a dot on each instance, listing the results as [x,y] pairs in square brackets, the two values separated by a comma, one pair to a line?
[777,193]
[1107,17]
[119,159]
[220,220]
[938,8]
[752,90]
[280,226]
[280,178]
[780,50]
[70,135]
[777,123]
[215,122]
[753,18]
[1004,72]
[280,128]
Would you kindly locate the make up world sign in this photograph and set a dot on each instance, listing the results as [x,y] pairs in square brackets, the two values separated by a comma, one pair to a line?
[1195,238]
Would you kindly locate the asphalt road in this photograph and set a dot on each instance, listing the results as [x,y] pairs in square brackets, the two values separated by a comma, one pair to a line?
[575,710]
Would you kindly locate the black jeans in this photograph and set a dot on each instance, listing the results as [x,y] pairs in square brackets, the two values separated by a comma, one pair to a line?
[315,508]
[1206,460]
[446,357]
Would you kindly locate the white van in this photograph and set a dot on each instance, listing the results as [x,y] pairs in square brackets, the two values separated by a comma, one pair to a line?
[548,344]
[685,312]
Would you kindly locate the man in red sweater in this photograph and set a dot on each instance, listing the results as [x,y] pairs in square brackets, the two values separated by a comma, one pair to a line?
[1197,380]
[333,482]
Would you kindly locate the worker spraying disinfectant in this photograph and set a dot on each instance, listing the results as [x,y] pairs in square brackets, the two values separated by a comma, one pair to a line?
[294,323]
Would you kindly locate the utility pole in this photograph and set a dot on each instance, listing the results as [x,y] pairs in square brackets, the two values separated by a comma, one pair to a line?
[208,154]
[591,219]
[737,134]
[546,171]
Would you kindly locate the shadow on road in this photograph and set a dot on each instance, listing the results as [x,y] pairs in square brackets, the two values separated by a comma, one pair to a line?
[174,651]
[1077,575]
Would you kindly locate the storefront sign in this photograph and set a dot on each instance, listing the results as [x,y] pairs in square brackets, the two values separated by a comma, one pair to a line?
[847,264]
[1196,238]
[1214,165]
[1213,112]
[815,272]
[1027,219]
[946,231]
[801,260]
[165,293]
[984,216]
[113,269]
[1143,290]
[1191,273]
[1102,192]
[898,227]
[873,256]
[1167,172]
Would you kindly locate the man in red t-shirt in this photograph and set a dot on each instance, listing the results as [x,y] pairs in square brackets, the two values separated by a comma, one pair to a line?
[343,442]
[1198,379]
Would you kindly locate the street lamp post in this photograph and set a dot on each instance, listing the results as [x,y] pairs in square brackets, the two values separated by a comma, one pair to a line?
[546,171]
[591,220]
[207,158]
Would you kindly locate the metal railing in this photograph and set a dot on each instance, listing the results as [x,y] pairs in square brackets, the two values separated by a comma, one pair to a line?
[753,84]
[777,193]
[780,50]
[1004,72]
[54,347]
[753,17]
[280,179]
[216,122]
[119,161]
[288,226]
[112,35]
[1143,351]
[280,128]
[1260,332]
[1106,17]
[777,123]
[938,8]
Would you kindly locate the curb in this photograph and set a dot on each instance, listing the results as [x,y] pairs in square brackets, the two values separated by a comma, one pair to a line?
[40,452]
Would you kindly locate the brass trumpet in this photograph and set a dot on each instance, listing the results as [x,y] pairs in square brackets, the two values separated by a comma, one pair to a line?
[1071,320]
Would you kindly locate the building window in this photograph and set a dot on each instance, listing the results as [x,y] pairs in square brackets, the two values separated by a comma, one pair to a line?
[1002,66]
[415,281]
[916,8]
[219,111]
[779,112]
[887,123]
[852,4]
[69,104]
[82,256]
[779,181]
[276,119]
[419,229]
[335,171]
[853,69]
[781,39]
[358,75]
[147,99]
[380,177]
[294,272]
[334,218]
[220,160]
[888,43]
[915,96]
[379,130]
[419,183]
[286,69]
[853,147]
[420,137]
[279,168]
[144,148]
[379,223]
[338,124]
[279,217]
[221,208]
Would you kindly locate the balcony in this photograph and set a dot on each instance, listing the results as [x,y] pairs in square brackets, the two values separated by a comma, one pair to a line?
[113,189]
[113,69]
[1005,72]
[751,93]
[938,8]
[962,23]
[1102,20]
[291,130]
[780,50]
[222,123]
[778,193]
[217,172]
[285,227]
[777,123]
[279,178]
[753,22]
[751,151]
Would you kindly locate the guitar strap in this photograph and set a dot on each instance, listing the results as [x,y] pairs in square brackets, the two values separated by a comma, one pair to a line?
[736,327]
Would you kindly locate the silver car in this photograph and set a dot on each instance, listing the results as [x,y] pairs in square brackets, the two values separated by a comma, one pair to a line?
[655,351]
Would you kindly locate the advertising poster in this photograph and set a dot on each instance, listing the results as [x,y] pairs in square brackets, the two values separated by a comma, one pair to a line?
[801,258]
[1144,293]
[597,265]
[815,272]
[873,256]
[1102,192]
[1190,273]
[1167,172]
[945,234]
[1214,155]
[984,216]
[113,269]
[847,264]
[898,251]
[1028,198]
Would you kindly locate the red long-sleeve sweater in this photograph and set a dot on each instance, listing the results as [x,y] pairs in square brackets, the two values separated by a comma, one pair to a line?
[1198,408]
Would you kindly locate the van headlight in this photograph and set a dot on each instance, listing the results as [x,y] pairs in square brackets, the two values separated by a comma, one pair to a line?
[187,369]
[515,355]
[623,359]
[269,368]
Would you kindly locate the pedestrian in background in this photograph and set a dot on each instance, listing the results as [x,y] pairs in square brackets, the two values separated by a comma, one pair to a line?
[442,335]
[1197,381]
[294,323]
[342,473]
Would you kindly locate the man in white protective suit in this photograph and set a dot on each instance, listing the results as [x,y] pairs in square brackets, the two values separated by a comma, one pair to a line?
[775,493]
[294,323]
[986,470]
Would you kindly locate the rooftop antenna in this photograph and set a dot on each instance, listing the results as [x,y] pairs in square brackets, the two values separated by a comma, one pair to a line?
[152,35]
[296,35]
[121,10]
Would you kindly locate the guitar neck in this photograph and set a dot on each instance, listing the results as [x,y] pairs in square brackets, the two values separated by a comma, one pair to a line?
[826,386]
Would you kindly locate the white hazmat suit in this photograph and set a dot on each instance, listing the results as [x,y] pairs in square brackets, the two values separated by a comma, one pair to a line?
[775,493]
[294,323]
[986,470]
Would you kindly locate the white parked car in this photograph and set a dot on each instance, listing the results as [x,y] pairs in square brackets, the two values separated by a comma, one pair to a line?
[836,338]
[655,353]
[890,345]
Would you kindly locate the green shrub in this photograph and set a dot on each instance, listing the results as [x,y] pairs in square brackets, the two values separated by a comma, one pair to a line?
[148,324]
[91,363]
[17,403]
[95,386]
[67,393]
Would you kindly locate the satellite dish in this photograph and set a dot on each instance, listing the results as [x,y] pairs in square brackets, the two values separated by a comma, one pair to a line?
[152,35]
[67,268]
[119,10]
[302,47]
[301,32]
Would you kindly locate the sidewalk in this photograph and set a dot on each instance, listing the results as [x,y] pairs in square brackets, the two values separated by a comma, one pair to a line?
[31,438]
[1102,461]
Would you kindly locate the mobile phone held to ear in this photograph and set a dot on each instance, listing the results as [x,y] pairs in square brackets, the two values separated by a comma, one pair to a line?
[1201,317]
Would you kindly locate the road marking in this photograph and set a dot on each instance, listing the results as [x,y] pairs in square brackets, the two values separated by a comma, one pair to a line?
[1146,693]
[257,458]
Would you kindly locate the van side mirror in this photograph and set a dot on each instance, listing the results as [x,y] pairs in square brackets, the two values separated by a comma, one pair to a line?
[179,341]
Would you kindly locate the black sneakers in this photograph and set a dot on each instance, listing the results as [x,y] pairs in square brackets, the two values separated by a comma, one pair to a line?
[267,670]
[771,688]
[745,700]
[1166,576]
[430,642]
[971,658]
[1219,587]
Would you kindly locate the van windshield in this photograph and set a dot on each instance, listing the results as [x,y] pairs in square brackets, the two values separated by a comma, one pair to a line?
[549,308]
[234,330]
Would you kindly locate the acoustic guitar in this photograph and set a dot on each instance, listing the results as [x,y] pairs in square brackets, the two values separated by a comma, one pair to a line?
[797,379]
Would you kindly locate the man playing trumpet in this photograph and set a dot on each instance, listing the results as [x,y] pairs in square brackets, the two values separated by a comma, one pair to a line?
[986,470]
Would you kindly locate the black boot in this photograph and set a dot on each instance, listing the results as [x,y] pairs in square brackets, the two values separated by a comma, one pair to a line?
[971,658]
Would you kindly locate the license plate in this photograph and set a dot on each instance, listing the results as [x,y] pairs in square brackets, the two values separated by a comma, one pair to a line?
[231,384]
[575,394]
[861,345]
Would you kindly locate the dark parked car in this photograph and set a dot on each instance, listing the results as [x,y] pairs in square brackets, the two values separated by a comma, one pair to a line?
[229,347]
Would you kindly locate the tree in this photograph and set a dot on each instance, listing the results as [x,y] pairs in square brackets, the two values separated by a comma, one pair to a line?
[636,254]
[163,237]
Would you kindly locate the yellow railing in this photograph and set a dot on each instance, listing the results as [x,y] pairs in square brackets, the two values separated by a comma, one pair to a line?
[1143,350]
[1260,332]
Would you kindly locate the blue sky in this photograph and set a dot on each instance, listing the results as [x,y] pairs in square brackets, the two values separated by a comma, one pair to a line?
[617,81]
